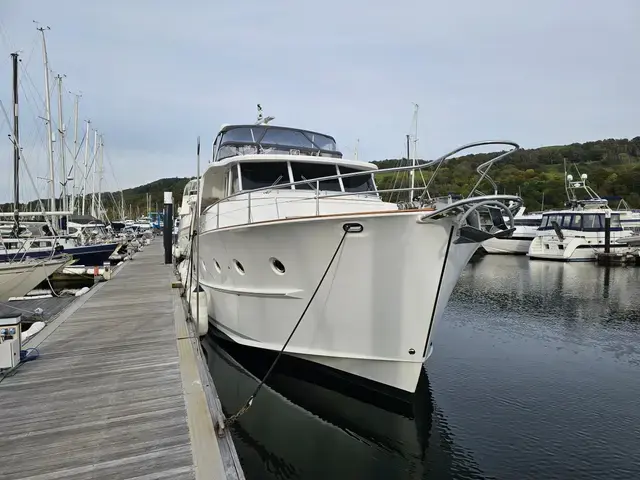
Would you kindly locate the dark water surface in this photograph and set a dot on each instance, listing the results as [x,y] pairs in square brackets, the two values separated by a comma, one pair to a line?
[535,374]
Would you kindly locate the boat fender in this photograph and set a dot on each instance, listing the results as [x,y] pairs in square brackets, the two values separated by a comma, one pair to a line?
[198,302]
[82,291]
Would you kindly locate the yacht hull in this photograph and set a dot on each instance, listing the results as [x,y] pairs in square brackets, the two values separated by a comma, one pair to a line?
[182,244]
[374,313]
[507,246]
[571,249]
[19,278]
[87,255]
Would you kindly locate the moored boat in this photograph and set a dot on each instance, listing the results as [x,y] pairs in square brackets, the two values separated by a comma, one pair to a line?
[297,240]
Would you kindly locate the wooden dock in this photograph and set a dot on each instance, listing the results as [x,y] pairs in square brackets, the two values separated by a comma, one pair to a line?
[631,257]
[118,391]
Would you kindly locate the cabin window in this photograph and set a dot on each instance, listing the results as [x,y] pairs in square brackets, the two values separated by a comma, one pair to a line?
[576,223]
[286,138]
[359,183]
[309,171]
[234,179]
[215,147]
[591,222]
[263,174]
[545,222]
[566,221]
[554,218]
[615,221]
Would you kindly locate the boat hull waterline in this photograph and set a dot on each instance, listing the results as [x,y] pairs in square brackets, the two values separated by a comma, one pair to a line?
[374,313]
[87,255]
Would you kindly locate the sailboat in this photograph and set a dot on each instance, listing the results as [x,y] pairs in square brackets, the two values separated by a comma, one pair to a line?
[20,276]
[52,237]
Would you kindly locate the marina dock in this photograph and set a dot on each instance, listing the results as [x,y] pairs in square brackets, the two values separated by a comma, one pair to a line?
[120,389]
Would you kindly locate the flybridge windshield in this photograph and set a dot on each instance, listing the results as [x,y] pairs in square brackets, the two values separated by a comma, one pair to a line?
[267,139]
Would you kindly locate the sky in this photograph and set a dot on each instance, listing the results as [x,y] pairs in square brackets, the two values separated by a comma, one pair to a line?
[156,74]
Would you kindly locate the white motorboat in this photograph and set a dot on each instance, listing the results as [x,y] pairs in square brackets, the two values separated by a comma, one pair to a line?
[290,232]
[578,235]
[19,278]
[526,228]
[185,219]
[578,232]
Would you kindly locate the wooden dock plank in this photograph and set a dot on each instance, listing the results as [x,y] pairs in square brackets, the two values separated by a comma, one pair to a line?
[113,394]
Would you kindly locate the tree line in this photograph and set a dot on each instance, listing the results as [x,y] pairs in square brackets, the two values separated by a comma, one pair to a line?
[537,175]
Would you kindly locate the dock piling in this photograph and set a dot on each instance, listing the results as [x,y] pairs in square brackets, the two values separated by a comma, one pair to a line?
[607,232]
[168,226]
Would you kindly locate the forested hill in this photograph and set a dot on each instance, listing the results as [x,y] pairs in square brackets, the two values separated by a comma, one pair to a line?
[612,166]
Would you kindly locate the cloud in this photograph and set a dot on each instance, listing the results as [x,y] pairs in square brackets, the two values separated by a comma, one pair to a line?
[156,74]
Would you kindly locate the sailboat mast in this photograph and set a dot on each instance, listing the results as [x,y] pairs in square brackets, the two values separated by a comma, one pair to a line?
[61,145]
[85,173]
[16,146]
[74,187]
[93,177]
[412,173]
[47,98]
[100,170]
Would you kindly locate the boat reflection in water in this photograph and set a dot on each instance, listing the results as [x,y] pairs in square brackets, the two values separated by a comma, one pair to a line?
[305,424]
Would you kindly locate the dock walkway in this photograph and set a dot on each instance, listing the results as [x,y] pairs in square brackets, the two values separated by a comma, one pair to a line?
[116,392]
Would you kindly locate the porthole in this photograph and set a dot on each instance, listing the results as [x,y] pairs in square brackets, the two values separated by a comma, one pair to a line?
[277,266]
[217,265]
[239,267]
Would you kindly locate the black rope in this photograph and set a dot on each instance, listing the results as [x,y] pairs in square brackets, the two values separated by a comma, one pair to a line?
[229,420]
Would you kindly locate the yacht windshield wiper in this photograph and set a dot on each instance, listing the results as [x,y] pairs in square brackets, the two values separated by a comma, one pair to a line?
[274,184]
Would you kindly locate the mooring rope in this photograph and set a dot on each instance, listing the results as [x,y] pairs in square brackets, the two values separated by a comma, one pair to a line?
[229,420]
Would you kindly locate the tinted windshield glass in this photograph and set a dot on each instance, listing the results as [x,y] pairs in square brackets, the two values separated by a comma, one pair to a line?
[358,183]
[258,174]
[279,136]
[309,171]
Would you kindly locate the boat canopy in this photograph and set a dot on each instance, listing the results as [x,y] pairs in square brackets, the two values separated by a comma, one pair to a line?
[257,139]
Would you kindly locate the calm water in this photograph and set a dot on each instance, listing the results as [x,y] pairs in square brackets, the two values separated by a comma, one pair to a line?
[535,374]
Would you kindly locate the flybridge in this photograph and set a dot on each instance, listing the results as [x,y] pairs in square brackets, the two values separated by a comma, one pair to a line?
[235,140]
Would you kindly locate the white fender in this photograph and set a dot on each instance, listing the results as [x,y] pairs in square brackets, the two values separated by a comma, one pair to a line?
[202,321]
[183,270]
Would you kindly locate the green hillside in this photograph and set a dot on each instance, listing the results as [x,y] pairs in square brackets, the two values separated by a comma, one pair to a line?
[613,167]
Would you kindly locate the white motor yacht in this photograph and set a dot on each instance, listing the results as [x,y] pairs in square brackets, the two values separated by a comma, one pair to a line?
[291,233]
[578,235]
[578,232]
[185,219]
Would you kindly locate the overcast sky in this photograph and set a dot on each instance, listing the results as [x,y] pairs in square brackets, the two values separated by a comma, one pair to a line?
[156,74]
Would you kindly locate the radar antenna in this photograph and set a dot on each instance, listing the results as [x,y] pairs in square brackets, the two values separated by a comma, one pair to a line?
[263,120]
